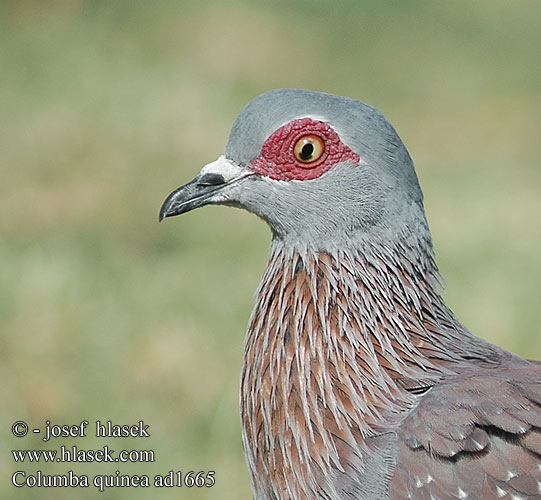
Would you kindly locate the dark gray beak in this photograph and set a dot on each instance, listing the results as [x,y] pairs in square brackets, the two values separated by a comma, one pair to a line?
[195,194]
[209,186]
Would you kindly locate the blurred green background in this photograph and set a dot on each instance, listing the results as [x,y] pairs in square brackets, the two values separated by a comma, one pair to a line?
[105,107]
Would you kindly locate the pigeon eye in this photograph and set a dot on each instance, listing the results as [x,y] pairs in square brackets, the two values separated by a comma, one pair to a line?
[309,148]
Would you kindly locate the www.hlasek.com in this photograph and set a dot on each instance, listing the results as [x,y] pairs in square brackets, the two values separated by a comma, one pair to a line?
[73,453]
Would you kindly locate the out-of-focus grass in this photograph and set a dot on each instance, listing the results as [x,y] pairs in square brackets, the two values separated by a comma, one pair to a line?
[107,106]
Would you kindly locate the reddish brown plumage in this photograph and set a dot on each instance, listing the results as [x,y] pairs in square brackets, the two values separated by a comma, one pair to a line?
[340,351]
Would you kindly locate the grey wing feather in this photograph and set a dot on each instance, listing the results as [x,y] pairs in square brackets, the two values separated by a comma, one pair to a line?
[476,436]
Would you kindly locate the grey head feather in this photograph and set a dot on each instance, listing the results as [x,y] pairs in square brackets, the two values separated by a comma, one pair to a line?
[360,126]
[377,201]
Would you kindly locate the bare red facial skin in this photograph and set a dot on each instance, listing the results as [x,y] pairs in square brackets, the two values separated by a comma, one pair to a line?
[278,162]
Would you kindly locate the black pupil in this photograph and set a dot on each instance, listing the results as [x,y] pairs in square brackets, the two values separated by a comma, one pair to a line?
[306,151]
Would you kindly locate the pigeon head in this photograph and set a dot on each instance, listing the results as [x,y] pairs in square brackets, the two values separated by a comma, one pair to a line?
[323,171]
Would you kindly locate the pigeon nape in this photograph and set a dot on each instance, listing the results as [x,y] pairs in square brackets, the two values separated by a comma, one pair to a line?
[358,382]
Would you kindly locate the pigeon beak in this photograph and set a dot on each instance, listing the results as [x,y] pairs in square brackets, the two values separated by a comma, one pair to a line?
[208,187]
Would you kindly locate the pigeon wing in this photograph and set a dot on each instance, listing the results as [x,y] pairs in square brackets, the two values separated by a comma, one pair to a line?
[476,436]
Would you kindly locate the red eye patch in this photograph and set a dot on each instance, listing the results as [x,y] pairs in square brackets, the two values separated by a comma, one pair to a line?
[279,158]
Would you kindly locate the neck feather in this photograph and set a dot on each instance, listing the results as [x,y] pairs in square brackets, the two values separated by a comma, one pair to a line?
[339,347]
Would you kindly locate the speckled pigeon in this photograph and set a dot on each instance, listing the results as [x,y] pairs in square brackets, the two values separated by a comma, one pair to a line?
[358,382]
